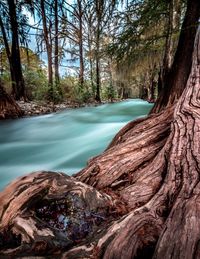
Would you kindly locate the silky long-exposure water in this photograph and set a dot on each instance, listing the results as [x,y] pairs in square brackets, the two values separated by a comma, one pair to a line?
[62,141]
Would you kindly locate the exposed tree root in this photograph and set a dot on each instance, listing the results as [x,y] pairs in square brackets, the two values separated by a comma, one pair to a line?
[8,107]
[134,147]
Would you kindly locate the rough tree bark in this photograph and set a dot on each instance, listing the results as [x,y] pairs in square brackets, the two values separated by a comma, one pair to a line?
[172,27]
[177,76]
[8,106]
[145,203]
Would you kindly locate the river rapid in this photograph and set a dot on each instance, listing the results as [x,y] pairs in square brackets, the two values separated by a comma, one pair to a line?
[62,141]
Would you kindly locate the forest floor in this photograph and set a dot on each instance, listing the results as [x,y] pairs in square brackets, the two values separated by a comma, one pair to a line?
[33,108]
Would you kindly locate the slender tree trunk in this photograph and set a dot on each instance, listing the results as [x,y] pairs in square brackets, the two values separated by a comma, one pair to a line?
[80,39]
[56,54]
[98,7]
[48,44]
[98,84]
[8,53]
[111,87]
[97,58]
[89,39]
[92,76]
[6,44]
[180,69]
[16,75]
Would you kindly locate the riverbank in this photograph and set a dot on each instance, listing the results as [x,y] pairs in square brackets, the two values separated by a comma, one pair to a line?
[64,141]
[33,108]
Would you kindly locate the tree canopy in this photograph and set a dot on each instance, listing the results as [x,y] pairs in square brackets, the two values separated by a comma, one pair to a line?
[115,49]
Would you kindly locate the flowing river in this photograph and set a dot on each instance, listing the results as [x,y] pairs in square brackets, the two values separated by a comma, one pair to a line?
[62,141]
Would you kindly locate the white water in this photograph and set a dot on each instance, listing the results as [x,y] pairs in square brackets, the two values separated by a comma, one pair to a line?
[62,141]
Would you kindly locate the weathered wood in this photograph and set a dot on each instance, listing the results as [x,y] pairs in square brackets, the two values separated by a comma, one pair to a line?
[134,146]
[8,107]
[176,78]
[46,212]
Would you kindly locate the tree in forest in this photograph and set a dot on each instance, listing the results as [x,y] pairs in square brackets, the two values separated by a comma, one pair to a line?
[56,48]
[89,17]
[47,26]
[9,23]
[86,27]
[74,34]
[50,16]
[140,43]
[138,199]
[34,73]
[177,75]
[173,19]
[103,12]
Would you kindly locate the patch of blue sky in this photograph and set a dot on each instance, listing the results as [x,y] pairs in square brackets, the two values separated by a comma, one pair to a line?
[67,67]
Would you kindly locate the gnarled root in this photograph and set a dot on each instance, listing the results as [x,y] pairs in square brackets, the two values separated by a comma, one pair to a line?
[8,107]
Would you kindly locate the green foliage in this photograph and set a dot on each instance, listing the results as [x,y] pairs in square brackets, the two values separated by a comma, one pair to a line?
[127,42]
[6,81]
[38,89]
[55,93]
[108,92]
[73,91]
[36,84]
[83,93]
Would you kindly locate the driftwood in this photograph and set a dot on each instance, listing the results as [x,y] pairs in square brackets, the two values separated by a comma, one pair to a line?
[138,199]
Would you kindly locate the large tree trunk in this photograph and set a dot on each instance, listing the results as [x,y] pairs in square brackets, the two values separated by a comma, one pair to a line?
[172,27]
[8,106]
[146,198]
[176,78]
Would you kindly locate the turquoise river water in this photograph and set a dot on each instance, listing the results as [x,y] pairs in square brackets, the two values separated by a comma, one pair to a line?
[62,141]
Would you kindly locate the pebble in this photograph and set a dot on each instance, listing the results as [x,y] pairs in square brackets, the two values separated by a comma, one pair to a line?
[32,108]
